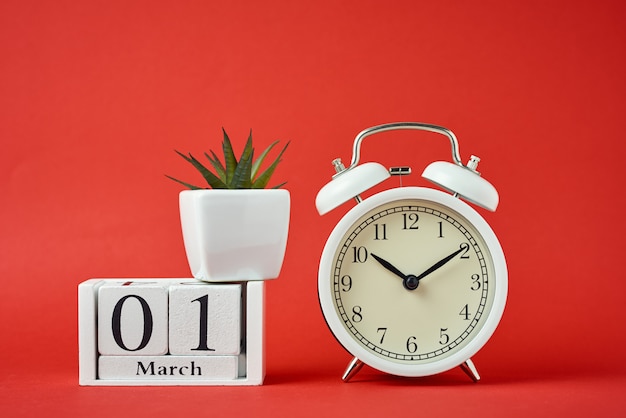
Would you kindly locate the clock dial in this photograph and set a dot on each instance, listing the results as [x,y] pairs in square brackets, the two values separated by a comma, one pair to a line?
[411,281]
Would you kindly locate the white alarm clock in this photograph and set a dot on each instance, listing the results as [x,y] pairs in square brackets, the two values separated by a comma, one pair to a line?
[412,280]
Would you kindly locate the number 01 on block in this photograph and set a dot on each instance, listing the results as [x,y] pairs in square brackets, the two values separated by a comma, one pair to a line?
[140,332]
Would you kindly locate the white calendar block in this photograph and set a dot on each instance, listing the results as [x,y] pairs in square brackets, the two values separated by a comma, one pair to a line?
[205,319]
[194,368]
[132,318]
[125,327]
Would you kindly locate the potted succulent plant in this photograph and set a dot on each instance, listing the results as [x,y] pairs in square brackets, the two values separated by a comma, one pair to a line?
[235,228]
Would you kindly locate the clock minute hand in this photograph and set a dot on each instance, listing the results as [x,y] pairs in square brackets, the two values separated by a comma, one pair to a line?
[439,264]
[386,264]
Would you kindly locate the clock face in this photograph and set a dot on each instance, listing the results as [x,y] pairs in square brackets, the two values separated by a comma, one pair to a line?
[411,283]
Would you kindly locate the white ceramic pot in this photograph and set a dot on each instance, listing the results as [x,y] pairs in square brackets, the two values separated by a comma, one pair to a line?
[235,235]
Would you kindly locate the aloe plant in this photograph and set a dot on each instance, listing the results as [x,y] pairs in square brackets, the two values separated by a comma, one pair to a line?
[233,173]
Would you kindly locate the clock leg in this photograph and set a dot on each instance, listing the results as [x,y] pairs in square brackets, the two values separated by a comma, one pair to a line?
[470,370]
[353,368]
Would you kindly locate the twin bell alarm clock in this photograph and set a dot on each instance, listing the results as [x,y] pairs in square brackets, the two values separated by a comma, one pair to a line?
[412,280]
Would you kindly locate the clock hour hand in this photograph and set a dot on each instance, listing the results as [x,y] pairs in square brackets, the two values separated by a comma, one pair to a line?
[410,282]
[386,264]
[440,263]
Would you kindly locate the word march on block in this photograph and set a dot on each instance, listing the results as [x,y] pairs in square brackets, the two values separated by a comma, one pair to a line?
[170,332]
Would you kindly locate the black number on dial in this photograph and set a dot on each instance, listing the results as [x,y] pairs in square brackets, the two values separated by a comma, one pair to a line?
[475,282]
[410,220]
[444,338]
[346,282]
[356,314]
[465,313]
[382,332]
[380,232]
[359,254]
[465,247]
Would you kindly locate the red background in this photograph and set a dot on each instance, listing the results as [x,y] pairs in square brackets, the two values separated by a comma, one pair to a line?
[96,95]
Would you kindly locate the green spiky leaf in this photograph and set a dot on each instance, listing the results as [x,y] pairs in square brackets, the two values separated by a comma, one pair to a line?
[217,165]
[259,161]
[264,178]
[242,177]
[210,178]
[187,185]
[233,173]
[230,161]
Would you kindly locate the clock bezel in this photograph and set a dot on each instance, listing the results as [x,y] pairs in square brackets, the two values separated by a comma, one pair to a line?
[499,283]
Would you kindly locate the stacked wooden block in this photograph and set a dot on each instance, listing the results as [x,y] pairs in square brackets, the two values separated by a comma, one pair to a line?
[170,332]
